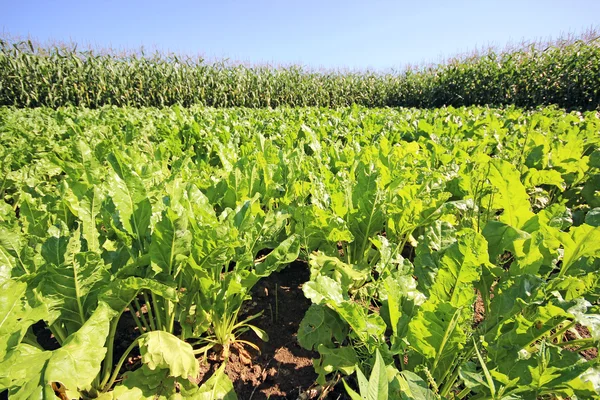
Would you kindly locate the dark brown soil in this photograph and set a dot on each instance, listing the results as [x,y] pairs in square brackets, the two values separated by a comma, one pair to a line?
[127,332]
[283,369]
[588,354]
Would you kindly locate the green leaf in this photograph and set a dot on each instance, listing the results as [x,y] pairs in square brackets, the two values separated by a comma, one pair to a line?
[320,326]
[511,196]
[343,359]
[323,290]
[163,350]
[71,280]
[590,192]
[376,388]
[535,177]
[378,384]
[412,387]
[285,253]
[459,269]
[368,327]
[353,395]
[11,261]
[128,194]
[16,315]
[145,384]
[74,366]
[217,387]
[500,238]
[318,228]
[171,242]
[435,334]
[399,290]
[120,292]
[367,218]
[85,203]
[511,296]
[524,331]
[592,217]
[349,276]
[581,241]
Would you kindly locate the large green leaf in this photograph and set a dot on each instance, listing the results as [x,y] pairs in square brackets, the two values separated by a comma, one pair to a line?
[32,373]
[581,241]
[128,194]
[171,242]
[323,290]
[459,269]
[349,276]
[435,334]
[500,238]
[120,292]
[368,217]
[376,388]
[410,386]
[343,359]
[16,315]
[71,279]
[320,326]
[162,350]
[13,257]
[285,253]
[145,384]
[510,195]
[87,209]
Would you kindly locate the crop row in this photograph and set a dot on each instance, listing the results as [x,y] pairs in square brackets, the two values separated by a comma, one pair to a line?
[564,74]
[453,253]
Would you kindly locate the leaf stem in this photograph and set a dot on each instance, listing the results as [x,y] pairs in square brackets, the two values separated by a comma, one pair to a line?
[447,333]
[138,323]
[108,360]
[159,323]
[577,342]
[149,309]
[59,333]
[142,317]
[115,373]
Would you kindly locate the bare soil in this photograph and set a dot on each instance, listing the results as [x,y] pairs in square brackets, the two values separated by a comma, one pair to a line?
[588,354]
[282,369]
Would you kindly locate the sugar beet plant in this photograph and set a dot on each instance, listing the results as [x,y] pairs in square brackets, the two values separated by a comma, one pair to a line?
[453,253]
[110,230]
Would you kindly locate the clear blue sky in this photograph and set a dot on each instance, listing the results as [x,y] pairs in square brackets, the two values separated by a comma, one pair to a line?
[331,34]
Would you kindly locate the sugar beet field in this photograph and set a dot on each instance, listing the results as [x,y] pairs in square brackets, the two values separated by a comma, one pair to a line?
[300,253]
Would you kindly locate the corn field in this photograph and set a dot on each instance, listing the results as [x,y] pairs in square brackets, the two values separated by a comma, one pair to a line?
[567,75]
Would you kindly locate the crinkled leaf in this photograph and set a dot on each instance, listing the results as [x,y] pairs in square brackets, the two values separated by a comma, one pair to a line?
[581,241]
[343,359]
[16,315]
[145,384]
[128,194]
[436,335]
[459,269]
[171,242]
[323,290]
[74,366]
[511,196]
[163,350]
[71,279]
[320,326]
